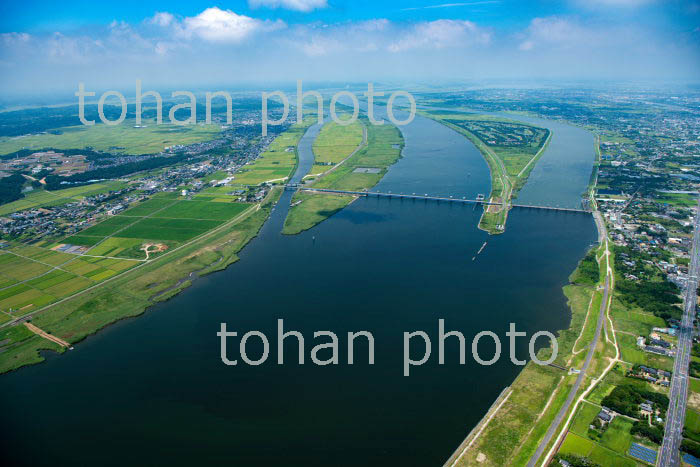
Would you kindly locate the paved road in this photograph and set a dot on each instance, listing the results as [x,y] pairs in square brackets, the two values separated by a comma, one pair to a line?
[669,454]
[589,356]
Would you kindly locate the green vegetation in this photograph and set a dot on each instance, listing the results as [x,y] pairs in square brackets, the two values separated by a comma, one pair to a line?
[124,138]
[383,148]
[312,209]
[598,454]
[334,143]
[588,270]
[32,277]
[677,199]
[587,412]
[626,399]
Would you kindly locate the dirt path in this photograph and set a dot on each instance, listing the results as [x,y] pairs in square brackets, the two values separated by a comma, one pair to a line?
[46,335]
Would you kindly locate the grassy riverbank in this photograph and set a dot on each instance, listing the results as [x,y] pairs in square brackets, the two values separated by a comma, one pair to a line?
[511,150]
[382,149]
[528,407]
[132,292]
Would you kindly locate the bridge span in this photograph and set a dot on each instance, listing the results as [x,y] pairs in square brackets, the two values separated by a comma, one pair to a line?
[426,197]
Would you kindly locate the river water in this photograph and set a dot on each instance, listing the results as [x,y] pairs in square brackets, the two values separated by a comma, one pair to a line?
[153,390]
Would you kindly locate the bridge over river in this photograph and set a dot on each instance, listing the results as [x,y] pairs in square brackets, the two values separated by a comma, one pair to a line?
[427,197]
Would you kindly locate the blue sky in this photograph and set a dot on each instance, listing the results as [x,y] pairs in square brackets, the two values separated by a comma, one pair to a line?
[50,45]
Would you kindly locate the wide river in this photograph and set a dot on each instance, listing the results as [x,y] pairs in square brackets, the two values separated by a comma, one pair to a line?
[153,390]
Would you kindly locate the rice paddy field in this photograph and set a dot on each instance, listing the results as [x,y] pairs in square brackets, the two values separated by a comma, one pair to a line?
[124,138]
[162,220]
[333,144]
[32,277]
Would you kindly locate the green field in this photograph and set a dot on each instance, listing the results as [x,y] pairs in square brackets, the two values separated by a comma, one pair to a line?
[32,277]
[574,444]
[163,219]
[617,436]
[692,425]
[198,210]
[584,417]
[677,199]
[334,143]
[633,354]
[313,209]
[123,138]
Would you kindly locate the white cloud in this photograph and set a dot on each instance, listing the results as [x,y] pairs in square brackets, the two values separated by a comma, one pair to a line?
[440,34]
[556,32]
[297,5]
[216,25]
[163,18]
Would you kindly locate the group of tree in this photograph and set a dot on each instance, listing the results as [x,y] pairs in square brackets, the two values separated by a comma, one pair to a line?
[11,188]
[588,271]
[657,297]
[691,447]
[654,432]
[626,399]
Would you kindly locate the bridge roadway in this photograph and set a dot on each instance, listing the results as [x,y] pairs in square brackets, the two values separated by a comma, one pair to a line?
[426,197]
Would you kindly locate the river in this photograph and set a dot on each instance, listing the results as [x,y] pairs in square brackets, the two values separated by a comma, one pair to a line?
[153,390]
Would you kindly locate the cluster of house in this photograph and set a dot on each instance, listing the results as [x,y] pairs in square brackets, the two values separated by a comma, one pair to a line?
[655,344]
[606,415]
[652,375]
[646,409]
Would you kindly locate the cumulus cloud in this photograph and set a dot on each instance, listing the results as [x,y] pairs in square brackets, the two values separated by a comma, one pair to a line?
[297,5]
[216,25]
[440,34]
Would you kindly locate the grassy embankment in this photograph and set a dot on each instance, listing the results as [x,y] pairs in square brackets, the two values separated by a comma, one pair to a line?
[539,392]
[383,148]
[72,296]
[122,138]
[511,150]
